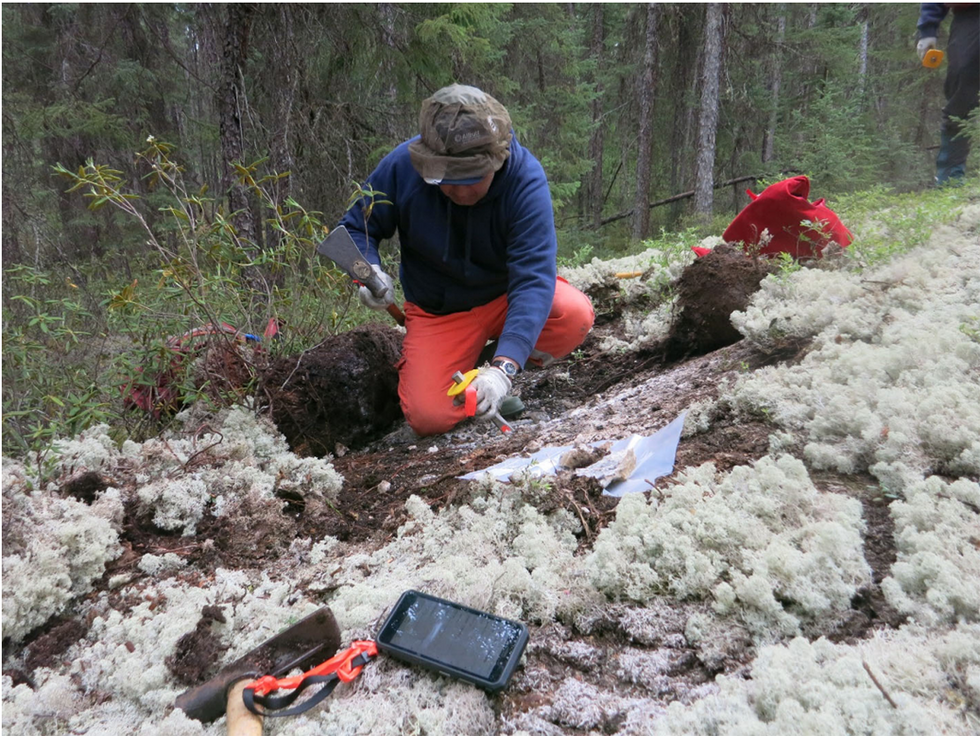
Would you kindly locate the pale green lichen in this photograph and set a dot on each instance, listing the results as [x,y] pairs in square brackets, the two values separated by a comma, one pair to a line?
[46,710]
[891,384]
[820,687]
[155,565]
[935,578]
[497,554]
[93,449]
[177,504]
[642,274]
[54,550]
[640,328]
[790,552]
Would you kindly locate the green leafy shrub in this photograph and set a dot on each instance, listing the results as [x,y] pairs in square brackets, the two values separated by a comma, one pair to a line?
[71,350]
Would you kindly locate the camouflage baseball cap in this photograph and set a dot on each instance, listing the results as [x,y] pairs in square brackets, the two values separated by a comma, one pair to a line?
[465,135]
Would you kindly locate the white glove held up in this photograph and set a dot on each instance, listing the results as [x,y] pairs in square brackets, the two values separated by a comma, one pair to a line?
[491,385]
[387,296]
[924,45]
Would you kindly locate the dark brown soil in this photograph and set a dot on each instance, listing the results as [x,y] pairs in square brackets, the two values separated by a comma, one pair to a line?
[84,486]
[708,291]
[58,635]
[342,392]
[197,651]
[869,610]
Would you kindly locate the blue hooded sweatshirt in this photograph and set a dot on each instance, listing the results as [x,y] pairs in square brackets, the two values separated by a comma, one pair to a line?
[455,258]
[930,16]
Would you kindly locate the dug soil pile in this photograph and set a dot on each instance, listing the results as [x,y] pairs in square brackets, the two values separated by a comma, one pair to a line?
[708,291]
[344,391]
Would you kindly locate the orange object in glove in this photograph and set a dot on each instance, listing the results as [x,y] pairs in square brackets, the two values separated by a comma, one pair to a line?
[461,385]
[932,59]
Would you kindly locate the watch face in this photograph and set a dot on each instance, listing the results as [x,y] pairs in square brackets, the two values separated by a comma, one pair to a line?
[506,366]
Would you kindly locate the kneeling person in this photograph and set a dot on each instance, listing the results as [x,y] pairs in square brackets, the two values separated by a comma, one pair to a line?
[473,214]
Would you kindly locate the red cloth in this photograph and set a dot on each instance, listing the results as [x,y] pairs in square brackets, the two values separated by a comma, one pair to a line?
[161,393]
[781,209]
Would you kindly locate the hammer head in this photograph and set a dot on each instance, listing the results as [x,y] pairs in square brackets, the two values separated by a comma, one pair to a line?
[304,645]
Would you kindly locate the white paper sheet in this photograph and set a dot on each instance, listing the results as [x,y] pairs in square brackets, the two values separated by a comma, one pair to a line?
[654,459]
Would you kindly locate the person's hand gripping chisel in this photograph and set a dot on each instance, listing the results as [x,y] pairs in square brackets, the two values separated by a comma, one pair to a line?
[481,392]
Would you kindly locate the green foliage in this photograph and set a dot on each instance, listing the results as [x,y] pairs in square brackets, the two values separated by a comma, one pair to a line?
[60,376]
[48,388]
[786,266]
[471,32]
[971,328]
[887,223]
[73,92]
[836,153]
[366,197]
[75,117]
[579,257]
[671,245]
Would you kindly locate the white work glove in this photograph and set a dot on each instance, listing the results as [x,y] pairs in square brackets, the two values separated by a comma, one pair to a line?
[387,296]
[924,45]
[491,385]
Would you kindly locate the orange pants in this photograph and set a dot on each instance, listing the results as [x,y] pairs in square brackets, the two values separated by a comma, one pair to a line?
[438,345]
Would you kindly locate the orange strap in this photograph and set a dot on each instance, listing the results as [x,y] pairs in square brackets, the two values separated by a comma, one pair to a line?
[340,664]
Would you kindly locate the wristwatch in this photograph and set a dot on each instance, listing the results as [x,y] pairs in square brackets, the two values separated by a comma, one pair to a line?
[508,366]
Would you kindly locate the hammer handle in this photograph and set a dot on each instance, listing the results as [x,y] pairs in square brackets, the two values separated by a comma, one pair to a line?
[241,721]
[398,315]
[376,286]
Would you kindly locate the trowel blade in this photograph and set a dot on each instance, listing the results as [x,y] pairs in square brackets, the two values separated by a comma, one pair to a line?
[305,644]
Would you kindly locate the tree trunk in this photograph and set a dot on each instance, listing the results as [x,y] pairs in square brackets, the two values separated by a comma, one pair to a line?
[863,58]
[594,196]
[231,100]
[286,60]
[708,117]
[685,89]
[776,77]
[641,201]
[388,26]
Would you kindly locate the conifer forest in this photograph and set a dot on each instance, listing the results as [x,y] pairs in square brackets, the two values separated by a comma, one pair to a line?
[617,101]
[203,443]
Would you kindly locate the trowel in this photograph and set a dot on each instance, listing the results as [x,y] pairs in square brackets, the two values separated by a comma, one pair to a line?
[302,645]
[340,248]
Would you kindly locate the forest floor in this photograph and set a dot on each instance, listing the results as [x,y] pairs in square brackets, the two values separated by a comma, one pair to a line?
[592,395]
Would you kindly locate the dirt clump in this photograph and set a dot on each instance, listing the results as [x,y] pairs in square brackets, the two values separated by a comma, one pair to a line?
[225,371]
[709,290]
[197,651]
[342,392]
[52,641]
[84,486]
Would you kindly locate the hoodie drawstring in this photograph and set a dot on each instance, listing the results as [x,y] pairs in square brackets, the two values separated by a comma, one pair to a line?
[449,232]
[467,243]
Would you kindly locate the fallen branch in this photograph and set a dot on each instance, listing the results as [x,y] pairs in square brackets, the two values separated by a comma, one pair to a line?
[581,517]
[874,679]
[679,197]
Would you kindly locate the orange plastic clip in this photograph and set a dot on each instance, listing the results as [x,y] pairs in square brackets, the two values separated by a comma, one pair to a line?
[339,664]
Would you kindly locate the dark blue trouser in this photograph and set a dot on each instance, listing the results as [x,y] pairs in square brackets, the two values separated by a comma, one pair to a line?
[961,89]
